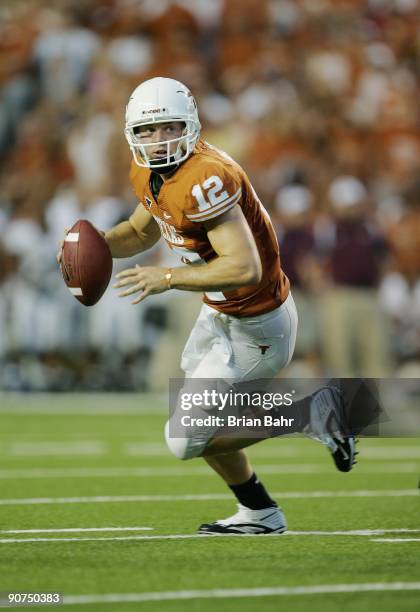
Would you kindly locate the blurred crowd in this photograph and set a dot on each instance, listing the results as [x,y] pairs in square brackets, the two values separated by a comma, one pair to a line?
[317,99]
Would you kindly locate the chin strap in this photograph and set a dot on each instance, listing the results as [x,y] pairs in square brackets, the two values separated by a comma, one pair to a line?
[167,169]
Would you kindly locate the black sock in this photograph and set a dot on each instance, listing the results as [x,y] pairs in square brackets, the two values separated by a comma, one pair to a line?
[252,494]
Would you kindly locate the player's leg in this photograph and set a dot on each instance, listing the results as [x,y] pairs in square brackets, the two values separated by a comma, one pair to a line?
[257,512]
[260,348]
[233,467]
[322,416]
[276,332]
[203,358]
[246,362]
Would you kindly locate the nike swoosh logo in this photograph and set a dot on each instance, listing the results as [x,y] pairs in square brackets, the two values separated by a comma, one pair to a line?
[252,529]
[166,215]
[268,516]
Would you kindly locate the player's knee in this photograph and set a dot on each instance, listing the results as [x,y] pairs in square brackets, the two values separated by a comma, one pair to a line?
[180,447]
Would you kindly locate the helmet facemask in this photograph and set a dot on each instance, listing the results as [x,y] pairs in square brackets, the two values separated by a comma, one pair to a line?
[143,151]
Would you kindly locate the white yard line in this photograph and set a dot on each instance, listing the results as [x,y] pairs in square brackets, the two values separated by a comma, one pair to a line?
[384,453]
[395,540]
[95,447]
[192,536]
[134,449]
[316,589]
[83,404]
[354,532]
[203,497]
[106,472]
[159,449]
[199,470]
[392,452]
[181,536]
[79,530]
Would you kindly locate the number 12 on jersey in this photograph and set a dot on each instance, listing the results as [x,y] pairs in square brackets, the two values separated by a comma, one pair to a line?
[215,194]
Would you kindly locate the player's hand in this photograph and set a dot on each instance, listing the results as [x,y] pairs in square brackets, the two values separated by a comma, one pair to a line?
[61,246]
[143,280]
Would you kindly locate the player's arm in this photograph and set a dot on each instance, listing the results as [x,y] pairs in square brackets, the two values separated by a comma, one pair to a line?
[138,233]
[237,263]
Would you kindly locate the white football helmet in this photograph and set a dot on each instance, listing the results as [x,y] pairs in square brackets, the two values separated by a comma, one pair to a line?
[162,100]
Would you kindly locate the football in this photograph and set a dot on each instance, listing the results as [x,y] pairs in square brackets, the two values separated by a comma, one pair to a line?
[86,263]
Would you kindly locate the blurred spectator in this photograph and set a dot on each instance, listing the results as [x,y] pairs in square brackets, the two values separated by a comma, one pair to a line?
[295,215]
[63,54]
[354,333]
[400,288]
[18,91]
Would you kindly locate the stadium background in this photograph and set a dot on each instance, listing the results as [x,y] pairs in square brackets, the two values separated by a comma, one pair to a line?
[317,99]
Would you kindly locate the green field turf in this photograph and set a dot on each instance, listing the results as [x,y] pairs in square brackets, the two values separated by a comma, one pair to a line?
[99,462]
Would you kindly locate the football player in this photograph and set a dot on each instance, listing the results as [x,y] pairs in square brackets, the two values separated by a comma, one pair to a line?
[202,203]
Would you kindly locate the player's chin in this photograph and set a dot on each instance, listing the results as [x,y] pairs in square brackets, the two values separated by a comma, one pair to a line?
[163,169]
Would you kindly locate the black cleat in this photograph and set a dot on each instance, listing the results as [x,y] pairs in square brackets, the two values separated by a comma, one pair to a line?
[328,425]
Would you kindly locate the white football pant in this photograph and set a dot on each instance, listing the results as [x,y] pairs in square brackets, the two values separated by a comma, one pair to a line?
[224,347]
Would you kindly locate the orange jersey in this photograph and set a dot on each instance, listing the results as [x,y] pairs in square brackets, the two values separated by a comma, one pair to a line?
[206,185]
